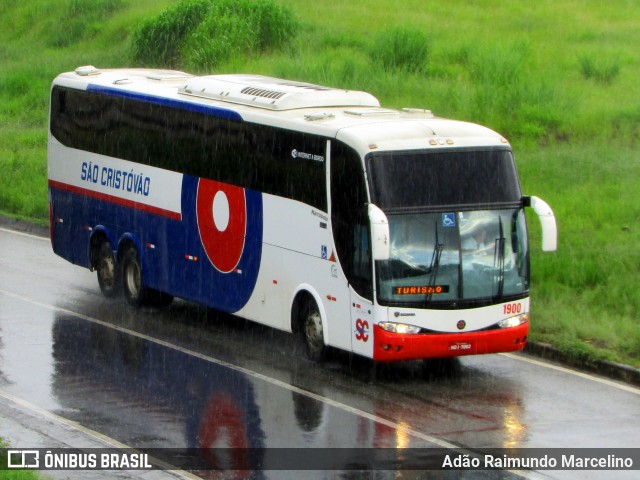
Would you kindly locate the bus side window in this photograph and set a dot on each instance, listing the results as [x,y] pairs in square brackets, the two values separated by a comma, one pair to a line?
[349,218]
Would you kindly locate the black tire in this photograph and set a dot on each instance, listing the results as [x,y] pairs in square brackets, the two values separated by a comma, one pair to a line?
[135,292]
[312,332]
[106,268]
[132,285]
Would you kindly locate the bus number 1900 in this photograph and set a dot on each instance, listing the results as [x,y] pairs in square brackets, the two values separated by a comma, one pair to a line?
[512,308]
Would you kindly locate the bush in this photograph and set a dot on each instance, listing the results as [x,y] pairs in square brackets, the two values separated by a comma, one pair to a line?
[217,39]
[402,48]
[156,41]
[200,34]
[603,71]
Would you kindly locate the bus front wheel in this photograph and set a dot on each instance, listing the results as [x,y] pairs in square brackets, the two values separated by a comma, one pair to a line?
[312,332]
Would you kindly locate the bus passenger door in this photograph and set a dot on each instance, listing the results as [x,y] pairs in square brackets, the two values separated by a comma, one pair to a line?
[360,287]
[351,234]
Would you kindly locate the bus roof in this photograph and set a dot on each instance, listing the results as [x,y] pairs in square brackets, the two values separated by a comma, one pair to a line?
[351,116]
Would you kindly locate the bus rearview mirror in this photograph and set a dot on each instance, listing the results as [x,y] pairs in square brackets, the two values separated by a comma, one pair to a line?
[547,221]
[380,238]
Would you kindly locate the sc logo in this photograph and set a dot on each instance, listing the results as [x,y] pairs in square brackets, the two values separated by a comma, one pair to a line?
[362,330]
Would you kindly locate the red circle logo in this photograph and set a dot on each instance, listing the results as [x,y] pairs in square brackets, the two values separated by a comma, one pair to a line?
[222,222]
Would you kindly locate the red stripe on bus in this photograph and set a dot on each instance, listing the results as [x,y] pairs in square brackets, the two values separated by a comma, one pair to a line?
[117,200]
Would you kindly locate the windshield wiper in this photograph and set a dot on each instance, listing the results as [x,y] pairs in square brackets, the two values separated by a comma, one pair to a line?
[498,260]
[435,264]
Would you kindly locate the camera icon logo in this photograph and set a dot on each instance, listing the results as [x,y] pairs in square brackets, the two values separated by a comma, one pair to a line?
[23,459]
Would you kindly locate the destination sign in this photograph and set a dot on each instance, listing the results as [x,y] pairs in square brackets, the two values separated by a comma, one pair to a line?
[421,290]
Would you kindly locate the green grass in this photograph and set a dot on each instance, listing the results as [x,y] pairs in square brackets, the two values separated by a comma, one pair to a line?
[585,295]
[401,49]
[559,79]
[15,474]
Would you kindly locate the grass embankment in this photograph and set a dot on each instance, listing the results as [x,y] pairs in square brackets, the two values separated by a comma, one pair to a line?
[559,79]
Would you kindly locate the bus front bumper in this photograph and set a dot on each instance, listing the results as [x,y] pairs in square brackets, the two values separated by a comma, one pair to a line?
[389,347]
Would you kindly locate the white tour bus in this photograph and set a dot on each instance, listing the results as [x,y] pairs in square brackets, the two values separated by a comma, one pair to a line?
[392,234]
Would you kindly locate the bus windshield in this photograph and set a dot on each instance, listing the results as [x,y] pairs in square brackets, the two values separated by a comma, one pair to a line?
[458,231]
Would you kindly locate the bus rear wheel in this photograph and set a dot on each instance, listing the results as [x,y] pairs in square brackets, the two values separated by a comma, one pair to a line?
[135,292]
[106,269]
[132,286]
[312,332]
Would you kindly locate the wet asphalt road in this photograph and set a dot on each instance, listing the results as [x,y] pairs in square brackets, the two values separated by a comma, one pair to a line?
[188,377]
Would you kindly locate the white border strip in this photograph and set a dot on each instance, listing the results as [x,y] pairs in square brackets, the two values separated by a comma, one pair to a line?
[586,376]
[23,234]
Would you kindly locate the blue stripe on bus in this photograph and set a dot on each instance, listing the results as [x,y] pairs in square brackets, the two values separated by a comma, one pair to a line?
[169,102]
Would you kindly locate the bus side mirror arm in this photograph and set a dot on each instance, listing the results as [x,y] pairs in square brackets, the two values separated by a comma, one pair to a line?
[380,237]
[547,220]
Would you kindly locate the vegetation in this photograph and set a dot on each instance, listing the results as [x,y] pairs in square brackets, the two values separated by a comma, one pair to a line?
[401,49]
[15,474]
[201,34]
[559,79]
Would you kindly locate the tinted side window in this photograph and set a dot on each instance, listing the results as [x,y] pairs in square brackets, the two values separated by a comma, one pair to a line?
[269,159]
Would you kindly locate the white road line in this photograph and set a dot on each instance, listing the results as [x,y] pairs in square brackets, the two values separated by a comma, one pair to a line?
[620,386]
[265,378]
[110,442]
[23,234]
[245,371]
[586,376]
[104,439]
[251,373]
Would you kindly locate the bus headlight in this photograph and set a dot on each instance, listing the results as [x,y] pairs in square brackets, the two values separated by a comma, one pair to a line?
[514,321]
[399,327]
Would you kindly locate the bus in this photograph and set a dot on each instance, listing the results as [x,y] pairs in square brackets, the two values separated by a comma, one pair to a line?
[392,234]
